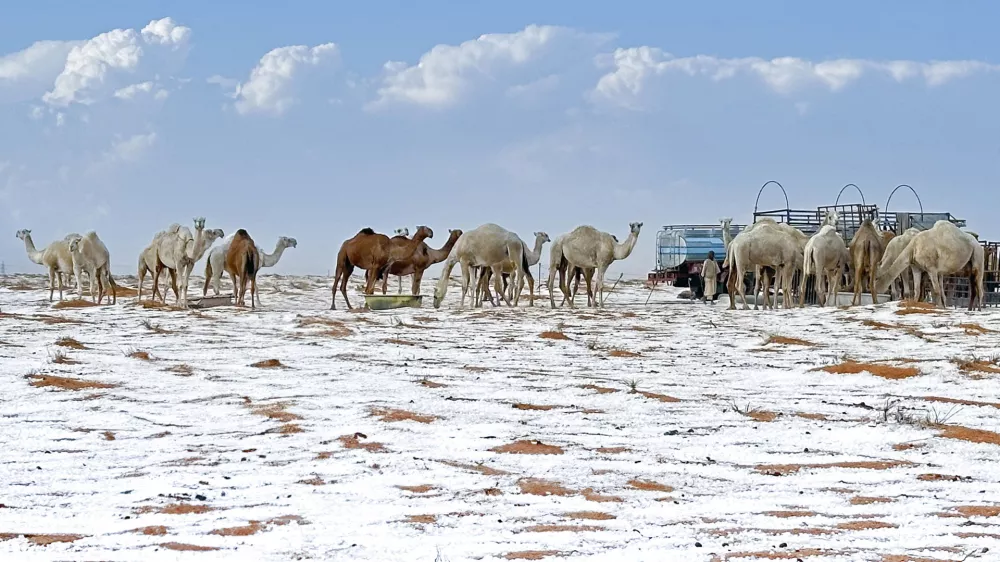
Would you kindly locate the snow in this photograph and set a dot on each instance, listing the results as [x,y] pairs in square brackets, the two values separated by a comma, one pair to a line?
[179,436]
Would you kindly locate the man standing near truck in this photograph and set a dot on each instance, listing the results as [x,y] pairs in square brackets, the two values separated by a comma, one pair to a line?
[710,276]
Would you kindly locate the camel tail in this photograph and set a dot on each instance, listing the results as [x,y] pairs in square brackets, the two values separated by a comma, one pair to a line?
[729,257]
[903,261]
[807,262]
[525,265]
[208,274]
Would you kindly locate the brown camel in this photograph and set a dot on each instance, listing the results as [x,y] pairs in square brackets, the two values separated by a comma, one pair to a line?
[866,250]
[423,258]
[402,251]
[367,250]
[243,262]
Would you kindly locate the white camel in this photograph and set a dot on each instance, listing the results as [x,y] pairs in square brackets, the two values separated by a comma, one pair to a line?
[763,244]
[148,263]
[825,257]
[177,250]
[941,250]
[586,247]
[893,249]
[533,256]
[486,246]
[91,255]
[56,257]
[215,265]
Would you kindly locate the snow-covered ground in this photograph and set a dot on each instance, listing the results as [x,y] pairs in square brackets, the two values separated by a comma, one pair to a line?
[660,431]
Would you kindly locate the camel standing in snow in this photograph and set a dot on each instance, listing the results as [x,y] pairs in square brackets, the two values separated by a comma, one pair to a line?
[56,257]
[893,249]
[242,263]
[867,247]
[177,250]
[586,247]
[216,263]
[91,255]
[533,256]
[825,256]
[939,251]
[490,246]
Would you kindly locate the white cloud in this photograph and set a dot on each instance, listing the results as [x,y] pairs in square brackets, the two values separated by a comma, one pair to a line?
[446,72]
[27,73]
[130,149]
[133,91]
[633,69]
[223,82]
[271,87]
[166,32]
[94,62]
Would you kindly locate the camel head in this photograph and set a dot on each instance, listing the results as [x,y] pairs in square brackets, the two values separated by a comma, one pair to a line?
[423,232]
[286,242]
[214,234]
[543,237]
[22,234]
[74,243]
[634,227]
[199,223]
[831,218]
[726,221]
[454,234]
[438,297]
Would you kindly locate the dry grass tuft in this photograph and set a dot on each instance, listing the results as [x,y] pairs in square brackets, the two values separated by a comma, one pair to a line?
[546,408]
[70,343]
[421,519]
[41,539]
[789,514]
[599,389]
[398,341]
[353,442]
[808,416]
[138,354]
[155,328]
[286,429]
[563,529]
[157,530]
[623,353]
[867,500]
[108,436]
[61,358]
[65,383]
[973,329]
[960,401]
[177,509]
[431,384]
[968,434]
[183,369]
[865,525]
[590,495]
[530,554]
[276,411]
[393,415]
[332,328]
[612,450]
[268,364]
[785,469]
[589,515]
[528,448]
[784,340]
[121,291]
[314,481]
[552,335]
[649,486]
[539,487]
[74,303]
[977,365]
[420,489]
[251,528]
[883,371]
[183,547]
[907,446]
[979,510]
[660,397]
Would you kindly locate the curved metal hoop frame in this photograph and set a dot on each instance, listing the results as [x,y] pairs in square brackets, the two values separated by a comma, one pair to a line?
[783,192]
[914,191]
[862,193]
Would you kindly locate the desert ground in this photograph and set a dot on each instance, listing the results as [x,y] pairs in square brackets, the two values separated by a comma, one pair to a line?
[641,432]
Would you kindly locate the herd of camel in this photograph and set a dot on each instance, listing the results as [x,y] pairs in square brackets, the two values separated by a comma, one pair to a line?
[879,257]
[768,248]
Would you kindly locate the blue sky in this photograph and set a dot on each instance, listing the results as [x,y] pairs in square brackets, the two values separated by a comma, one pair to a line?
[287,120]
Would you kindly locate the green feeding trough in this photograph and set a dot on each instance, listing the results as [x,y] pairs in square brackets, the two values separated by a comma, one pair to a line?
[388,302]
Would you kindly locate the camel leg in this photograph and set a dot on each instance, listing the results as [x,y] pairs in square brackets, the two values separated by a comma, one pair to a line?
[253,290]
[52,282]
[466,274]
[571,270]
[553,271]
[498,285]
[907,284]
[731,286]
[937,295]
[235,287]
[415,282]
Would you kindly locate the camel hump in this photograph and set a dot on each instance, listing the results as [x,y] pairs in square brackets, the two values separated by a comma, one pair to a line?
[367,231]
[241,233]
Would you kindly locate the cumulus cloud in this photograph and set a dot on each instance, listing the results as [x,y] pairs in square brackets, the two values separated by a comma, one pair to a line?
[271,87]
[634,68]
[446,72]
[130,149]
[147,88]
[91,65]
[27,73]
